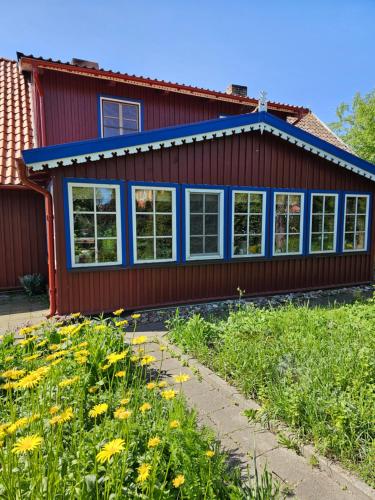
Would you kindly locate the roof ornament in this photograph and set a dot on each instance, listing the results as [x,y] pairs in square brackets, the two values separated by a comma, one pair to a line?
[262,101]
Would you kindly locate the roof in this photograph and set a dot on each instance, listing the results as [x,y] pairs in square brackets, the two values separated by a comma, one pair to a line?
[29,61]
[16,133]
[311,123]
[84,151]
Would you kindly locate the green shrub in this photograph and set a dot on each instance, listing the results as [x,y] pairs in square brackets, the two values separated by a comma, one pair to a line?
[33,284]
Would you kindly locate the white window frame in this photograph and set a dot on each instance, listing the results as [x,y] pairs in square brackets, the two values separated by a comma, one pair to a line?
[220,254]
[151,187]
[302,216]
[336,196]
[119,101]
[356,195]
[264,208]
[116,187]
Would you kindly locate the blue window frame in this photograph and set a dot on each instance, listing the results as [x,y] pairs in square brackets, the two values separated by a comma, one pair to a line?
[94,223]
[288,222]
[119,116]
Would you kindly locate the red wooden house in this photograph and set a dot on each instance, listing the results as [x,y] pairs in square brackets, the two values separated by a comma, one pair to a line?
[160,193]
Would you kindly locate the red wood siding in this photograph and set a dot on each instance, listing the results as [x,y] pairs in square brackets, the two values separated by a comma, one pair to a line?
[71,106]
[23,248]
[247,160]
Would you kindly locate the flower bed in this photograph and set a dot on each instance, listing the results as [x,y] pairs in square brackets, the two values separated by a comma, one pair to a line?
[85,414]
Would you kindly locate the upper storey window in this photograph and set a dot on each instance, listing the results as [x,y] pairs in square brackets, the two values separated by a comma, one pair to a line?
[119,116]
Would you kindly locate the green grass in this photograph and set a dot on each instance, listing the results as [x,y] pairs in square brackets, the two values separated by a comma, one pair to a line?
[311,368]
[49,386]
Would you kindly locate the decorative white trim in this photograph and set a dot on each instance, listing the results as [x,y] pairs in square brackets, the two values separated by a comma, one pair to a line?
[302,225]
[336,196]
[356,195]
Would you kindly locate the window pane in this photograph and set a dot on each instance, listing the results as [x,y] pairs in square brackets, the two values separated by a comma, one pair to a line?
[107,250]
[111,122]
[211,243]
[330,204]
[256,203]
[317,223]
[361,222]
[280,224]
[294,223]
[196,202]
[164,248]
[294,204]
[240,202]
[362,205]
[316,242]
[211,224]
[105,200]
[84,226]
[240,245]
[145,225]
[83,199]
[240,224]
[281,203]
[130,111]
[164,225]
[329,223]
[110,108]
[196,224]
[255,245]
[349,241]
[328,240]
[317,204]
[145,249]
[84,252]
[196,245]
[106,225]
[110,131]
[255,224]
[212,203]
[360,241]
[350,204]
[163,201]
[280,243]
[293,243]
[143,200]
[350,223]
[129,127]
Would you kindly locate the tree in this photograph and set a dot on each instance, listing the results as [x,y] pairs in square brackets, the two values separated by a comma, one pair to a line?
[356,125]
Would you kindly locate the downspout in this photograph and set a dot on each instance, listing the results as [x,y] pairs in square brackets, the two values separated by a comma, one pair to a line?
[26,181]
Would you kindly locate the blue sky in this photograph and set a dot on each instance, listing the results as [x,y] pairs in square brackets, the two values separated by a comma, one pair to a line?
[315,53]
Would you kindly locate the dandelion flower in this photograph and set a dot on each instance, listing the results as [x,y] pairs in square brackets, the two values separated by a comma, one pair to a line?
[112,448]
[27,443]
[13,374]
[142,339]
[182,377]
[147,360]
[105,367]
[98,410]
[210,453]
[120,374]
[162,348]
[26,330]
[82,344]
[32,357]
[153,442]
[93,389]
[135,316]
[134,358]
[168,394]
[124,322]
[178,481]
[118,312]
[175,424]
[68,381]
[33,378]
[124,401]
[8,386]
[75,315]
[54,409]
[82,360]
[143,472]
[99,328]
[150,386]
[145,407]
[18,424]
[42,343]
[116,356]
[122,414]
[162,384]
[67,414]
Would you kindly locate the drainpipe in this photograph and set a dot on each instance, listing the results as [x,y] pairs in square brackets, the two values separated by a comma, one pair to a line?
[26,181]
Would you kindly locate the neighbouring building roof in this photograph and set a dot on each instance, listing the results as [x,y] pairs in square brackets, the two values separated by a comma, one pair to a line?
[91,150]
[16,131]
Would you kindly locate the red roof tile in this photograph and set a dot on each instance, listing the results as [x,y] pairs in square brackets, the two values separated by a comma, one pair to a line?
[15,120]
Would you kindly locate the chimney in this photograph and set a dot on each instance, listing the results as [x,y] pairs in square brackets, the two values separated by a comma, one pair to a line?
[82,63]
[240,90]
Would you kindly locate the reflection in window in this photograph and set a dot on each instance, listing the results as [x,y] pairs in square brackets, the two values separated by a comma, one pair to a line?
[154,224]
[356,213]
[120,117]
[248,223]
[288,223]
[323,223]
[94,224]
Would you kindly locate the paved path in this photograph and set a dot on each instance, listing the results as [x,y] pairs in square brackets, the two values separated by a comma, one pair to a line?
[220,407]
[18,310]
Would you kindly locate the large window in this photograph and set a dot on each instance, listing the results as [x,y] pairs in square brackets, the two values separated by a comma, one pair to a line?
[356,227]
[288,223]
[95,224]
[248,223]
[323,223]
[204,224]
[119,117]
[154,224]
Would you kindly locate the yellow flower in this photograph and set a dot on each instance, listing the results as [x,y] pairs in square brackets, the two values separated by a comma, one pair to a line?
[93,389]
[153,442]
[162,348]
[105,367]
[112,448]
[42,343]
[178,481]
[82,352]
[168,394]
[135,316]
[99,328]
[75,315]
[139,340]
[122,323]
[55,347]
[143,472]
[9,358]
[182,377]
[32,357]
[28,341]
[98,410]
[82,344]
[18,424]
[82,360]
[13,374]
[55,420]
[210,453]
[56,362]
[33,378]
[150,386]
[162,384]
[70,329]
[120,374]
[54,409]
[68,381]
[116,356]
[27,443]
[65,416]
[145,407]
[56,355]
[134,358]
[33,418]
[175,424]
[8,386]
[147,360]
[26,330]
[122,414]
[118,312]
[125,401]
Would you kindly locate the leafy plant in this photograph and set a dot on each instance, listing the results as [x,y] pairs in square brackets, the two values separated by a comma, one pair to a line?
[33,284]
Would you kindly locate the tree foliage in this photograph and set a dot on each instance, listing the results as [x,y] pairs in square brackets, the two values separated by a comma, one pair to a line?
[356,125]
